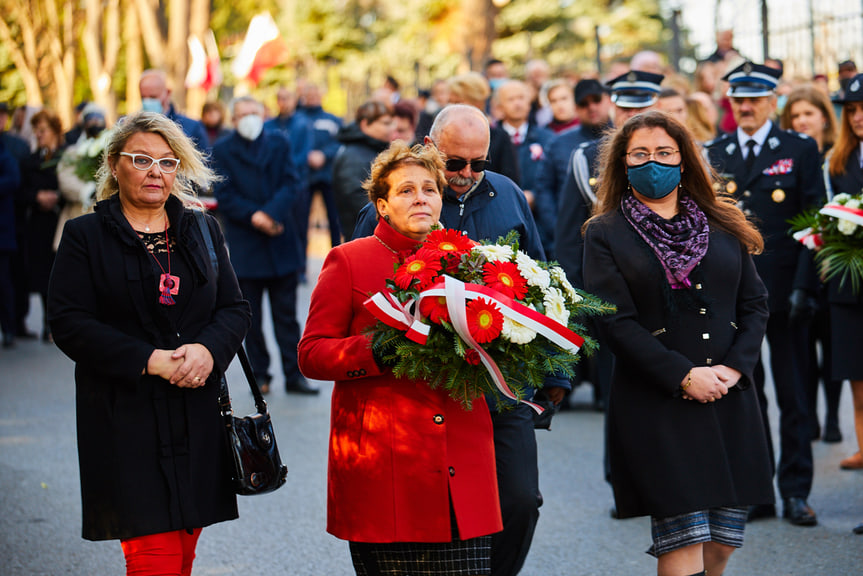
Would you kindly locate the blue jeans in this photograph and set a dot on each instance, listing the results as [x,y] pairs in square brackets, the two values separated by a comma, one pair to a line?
[283,306]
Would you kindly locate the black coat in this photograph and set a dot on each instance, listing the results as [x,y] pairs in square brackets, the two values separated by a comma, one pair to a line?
[668,455]
[40,173]
[152,456]
[351,167]
[772,200]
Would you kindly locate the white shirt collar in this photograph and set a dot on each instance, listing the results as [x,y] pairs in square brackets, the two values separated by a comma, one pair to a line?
[760,136]
[512,130]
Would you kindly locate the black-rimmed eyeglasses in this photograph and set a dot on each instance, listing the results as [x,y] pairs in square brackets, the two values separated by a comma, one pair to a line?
[144,162]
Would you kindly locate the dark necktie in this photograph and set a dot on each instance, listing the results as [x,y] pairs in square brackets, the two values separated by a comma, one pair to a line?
[749,162]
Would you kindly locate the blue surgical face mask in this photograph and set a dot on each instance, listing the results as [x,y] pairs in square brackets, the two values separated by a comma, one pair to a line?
[654,180]
[151,105]
[496,83]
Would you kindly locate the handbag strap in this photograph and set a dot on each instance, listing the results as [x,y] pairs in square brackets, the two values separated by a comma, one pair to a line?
[224,396]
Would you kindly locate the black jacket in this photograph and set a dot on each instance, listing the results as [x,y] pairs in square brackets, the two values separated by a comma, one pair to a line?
[669,455]
[152,456]
[351,167]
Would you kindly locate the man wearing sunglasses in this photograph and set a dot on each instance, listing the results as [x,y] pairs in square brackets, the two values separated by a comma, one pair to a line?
[487,205]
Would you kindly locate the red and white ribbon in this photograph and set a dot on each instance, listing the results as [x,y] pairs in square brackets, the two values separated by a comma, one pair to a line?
[844,213]
[808,238]
[386,308]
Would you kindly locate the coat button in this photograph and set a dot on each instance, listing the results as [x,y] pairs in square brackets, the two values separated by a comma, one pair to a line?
[702,311]
[451,471]
[438,419]
[747,193]
[698,286]
[709,361]
[705,336]
[362,371]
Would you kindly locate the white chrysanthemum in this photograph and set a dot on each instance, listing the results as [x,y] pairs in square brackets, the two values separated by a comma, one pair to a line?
[495,252]
[516,333]
[555,306]
[853,203]
[846,227]
[841,198]
[531,271]
[559,275]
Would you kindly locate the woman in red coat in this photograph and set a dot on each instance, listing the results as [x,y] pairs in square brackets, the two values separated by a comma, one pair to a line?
[411,480]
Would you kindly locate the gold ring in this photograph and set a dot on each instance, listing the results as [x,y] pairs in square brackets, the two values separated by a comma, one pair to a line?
[197,378]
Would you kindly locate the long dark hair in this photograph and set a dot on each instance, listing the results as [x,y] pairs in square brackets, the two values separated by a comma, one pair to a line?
[845,145]
[696,181]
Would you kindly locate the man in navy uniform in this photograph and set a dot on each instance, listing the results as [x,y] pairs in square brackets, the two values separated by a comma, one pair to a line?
[593,108]
[774,175]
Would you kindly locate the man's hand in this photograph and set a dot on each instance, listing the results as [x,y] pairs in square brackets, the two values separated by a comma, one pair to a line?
[316,159]
[265,224]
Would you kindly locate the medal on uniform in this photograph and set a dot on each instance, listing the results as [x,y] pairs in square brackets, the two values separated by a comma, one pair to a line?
[778,195]
[731,187]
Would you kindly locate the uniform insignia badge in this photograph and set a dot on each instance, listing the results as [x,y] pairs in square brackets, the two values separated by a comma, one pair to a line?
[632,77]
[784,166]
[778,195]
[747,68]
[731,187]
[855,86]
[717,186]
[773,142]
[591,181]
[536,152]
[730,148]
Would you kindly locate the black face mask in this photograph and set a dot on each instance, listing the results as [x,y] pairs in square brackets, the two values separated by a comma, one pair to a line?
[93,130]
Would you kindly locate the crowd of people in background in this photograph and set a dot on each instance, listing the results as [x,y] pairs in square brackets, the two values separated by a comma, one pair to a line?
[546,133]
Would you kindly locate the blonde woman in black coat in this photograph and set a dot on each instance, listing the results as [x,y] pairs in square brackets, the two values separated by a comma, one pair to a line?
[135,302]
[686,442]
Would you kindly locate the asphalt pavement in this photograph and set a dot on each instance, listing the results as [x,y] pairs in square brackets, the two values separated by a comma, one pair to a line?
[284,532]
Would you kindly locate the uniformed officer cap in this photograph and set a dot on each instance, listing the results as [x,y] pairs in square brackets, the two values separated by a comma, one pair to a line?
[635,89]
[751,80]
[854,92]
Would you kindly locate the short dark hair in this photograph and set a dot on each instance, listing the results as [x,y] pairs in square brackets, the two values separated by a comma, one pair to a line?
[372,110]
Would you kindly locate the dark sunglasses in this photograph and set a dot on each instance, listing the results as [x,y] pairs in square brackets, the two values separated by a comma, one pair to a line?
[457,164]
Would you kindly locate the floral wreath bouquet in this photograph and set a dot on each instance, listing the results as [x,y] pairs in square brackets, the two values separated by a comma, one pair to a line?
[835,233]
[479,318]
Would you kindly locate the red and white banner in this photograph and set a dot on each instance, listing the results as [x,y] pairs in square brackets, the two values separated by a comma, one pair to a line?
[386,308]
[843,213]
[262,49]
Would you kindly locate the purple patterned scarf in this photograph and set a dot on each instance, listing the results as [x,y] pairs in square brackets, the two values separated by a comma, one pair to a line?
[679,243]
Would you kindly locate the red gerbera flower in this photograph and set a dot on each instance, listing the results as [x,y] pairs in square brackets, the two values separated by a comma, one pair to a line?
[472,357]
[420,267]
[505,278]
[445,243]
[484,320]
[434,308]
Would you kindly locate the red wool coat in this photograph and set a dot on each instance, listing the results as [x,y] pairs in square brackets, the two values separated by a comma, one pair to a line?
[399,451]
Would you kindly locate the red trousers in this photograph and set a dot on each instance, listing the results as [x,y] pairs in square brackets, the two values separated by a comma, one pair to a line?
[165,554]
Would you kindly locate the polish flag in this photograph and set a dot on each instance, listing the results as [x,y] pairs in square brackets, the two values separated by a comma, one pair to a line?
[262,49]
[205,70]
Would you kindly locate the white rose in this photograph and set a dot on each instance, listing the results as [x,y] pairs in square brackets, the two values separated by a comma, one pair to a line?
[846,227]
[841,198]
[853,203]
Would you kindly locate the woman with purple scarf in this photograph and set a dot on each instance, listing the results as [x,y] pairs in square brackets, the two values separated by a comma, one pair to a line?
[686,442]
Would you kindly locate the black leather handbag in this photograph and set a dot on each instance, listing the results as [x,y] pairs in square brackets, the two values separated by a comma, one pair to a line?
[257,465]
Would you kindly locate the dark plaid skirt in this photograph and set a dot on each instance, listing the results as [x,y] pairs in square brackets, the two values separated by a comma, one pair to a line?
[455,558]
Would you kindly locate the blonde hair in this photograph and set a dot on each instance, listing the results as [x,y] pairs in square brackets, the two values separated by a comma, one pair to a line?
[470,88]
[397,155]
[192,174]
